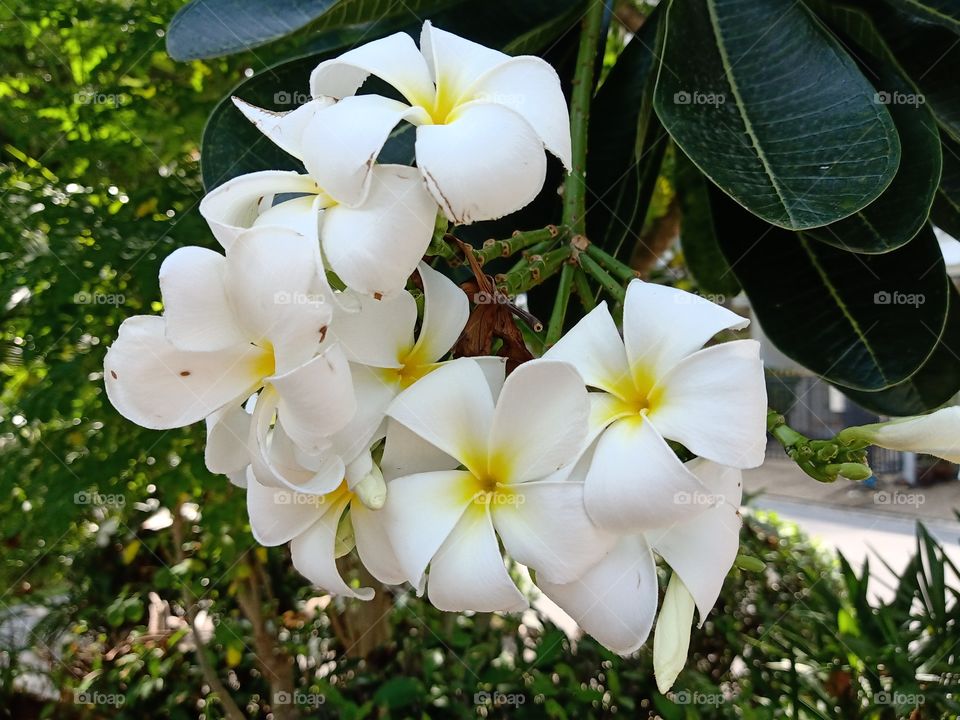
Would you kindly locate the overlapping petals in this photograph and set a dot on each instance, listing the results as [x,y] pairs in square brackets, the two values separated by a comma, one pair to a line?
[482,121]
[656,385]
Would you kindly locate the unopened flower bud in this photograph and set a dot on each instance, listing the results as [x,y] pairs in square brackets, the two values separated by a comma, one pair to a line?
[671,641]
[372,490]
[935,434]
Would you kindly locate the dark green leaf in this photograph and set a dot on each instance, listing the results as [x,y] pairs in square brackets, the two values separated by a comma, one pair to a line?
[946,205]
[697,232]
[941,12]
[933,385]
[902,210]
[537,38]
[771,108]
[209,28]
[866,322]
[930,55]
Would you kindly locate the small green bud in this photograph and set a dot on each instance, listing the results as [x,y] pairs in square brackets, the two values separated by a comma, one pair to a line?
[749,563]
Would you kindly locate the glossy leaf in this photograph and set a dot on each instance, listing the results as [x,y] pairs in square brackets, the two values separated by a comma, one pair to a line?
[930,55]
[866,322]
[902,210]
[771,108]
[941,12]
[933,385]
[946,206]
[210,28]
[698,237]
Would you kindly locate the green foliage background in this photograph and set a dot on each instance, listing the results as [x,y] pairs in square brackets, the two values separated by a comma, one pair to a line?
[99,180]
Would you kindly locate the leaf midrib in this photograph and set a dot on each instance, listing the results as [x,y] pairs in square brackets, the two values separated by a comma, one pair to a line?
[741,109]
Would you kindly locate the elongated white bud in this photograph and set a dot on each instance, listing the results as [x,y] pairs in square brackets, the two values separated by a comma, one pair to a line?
[935,434]
[671,641]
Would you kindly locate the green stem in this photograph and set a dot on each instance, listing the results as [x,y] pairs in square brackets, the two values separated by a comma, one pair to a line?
[534,271]
[555,326]
[608,283]
[587,297]
[574,188]
[517,242]
[611,264]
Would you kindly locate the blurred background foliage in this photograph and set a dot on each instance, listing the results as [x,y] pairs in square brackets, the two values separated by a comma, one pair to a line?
[130,571]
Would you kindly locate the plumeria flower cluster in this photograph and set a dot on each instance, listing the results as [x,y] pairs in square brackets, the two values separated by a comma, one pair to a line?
[326,381]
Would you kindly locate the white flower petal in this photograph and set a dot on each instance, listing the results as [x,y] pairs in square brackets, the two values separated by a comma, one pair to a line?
[593,346]
[196,308]
[616,600]
[234,206]
[313,555]
[285,129]
[484,163]
[468,573]
[530,87]
[275,284]
[301,214]
[662,325]
[394,59]
[715,403]
[702,551]
[636,482]
[316,399]
[935,434]
[452,409]
[228,431]
[671,641]
[445,312]
[277,515]
[406,453]
[456,63]
[373,397]
[374,248]
[157,386]
[380,332]
[545,526]
[346,139]
[373,545]
[278,462]
[420,512]
[540,422]
[494,370]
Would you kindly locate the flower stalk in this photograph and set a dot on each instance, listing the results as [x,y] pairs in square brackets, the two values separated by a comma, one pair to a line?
[823,460]
[607,282]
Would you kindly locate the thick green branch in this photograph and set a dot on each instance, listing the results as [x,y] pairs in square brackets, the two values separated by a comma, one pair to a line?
[575,188]
[555,326]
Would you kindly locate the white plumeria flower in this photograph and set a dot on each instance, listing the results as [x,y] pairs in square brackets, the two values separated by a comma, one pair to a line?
[656,384]
[615,601]
[450,518]
[385,355]
[483,119]
[321,528]
[232,325]
[371,244]
[935,434]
